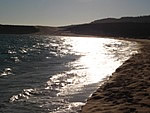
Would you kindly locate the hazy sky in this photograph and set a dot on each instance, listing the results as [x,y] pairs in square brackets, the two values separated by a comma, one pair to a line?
[64,12]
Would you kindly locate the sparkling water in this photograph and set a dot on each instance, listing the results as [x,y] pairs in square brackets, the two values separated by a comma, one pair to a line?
[55,74]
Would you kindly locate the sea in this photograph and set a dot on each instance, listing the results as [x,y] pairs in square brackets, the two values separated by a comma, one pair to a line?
[56,74]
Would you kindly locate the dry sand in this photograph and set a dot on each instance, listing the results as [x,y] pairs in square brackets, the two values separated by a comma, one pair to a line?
[127,90]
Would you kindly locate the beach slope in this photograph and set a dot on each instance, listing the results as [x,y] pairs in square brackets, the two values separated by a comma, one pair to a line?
[127,90]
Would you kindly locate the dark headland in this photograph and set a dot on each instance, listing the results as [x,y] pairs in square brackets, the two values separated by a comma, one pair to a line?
[134,27]
[128,89]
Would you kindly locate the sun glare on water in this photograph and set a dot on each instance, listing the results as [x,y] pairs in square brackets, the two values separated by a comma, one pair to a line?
[97,64]
[85,63]
[98,60]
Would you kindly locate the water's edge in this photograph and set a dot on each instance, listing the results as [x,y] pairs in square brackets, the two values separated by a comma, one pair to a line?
[46,74]
[128,88]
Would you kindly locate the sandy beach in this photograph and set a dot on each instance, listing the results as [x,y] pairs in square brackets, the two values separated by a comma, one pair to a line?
[127,90]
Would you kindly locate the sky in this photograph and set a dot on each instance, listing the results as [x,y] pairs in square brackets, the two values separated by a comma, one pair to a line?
[67,12]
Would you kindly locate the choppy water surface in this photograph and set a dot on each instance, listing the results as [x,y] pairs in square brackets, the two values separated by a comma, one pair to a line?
[55,74]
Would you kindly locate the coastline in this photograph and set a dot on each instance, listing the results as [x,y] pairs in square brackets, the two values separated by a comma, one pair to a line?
[128,89]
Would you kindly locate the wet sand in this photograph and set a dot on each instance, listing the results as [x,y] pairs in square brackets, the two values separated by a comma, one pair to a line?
[127,90]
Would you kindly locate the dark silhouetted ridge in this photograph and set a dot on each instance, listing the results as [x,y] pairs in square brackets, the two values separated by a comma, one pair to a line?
[16,29]
[134,27]
[140,19]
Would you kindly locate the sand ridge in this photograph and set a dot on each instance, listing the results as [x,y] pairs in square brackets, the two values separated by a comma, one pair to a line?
[127,90]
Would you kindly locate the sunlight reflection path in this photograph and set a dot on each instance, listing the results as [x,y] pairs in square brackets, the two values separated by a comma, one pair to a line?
[81,65]
[99,59]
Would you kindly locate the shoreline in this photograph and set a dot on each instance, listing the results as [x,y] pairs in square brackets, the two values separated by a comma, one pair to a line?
[128,89]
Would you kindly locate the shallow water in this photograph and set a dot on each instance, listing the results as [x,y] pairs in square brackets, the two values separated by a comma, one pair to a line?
[55,74]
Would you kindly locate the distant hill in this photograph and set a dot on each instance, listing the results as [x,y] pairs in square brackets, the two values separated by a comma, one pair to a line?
[39,30]
[140,19]
[128,30]
[17,29]
[134,27]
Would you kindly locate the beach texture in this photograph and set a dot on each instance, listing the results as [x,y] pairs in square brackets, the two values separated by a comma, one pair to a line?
[127,90]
